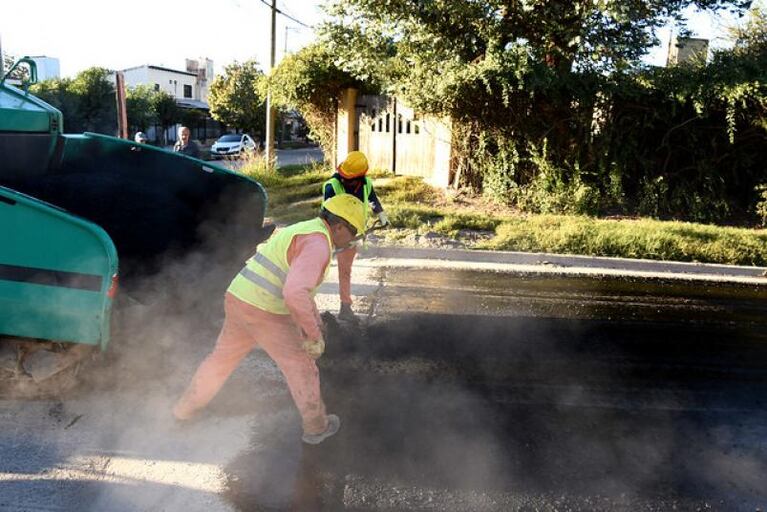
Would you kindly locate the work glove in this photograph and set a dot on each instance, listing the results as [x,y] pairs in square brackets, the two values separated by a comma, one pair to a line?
[314,348]
[346,314]
[383,219]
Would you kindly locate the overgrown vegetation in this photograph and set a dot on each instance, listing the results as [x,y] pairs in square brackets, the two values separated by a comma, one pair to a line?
[310,82]
[417,208]
[552,110]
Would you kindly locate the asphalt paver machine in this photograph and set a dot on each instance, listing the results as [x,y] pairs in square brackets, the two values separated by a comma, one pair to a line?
[84,217]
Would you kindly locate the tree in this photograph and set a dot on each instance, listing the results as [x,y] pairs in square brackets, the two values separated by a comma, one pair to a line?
[20,73]
[309,82]
[434,52]
[96,105]
[752,36]
[166,111]
[526,81]
[58,92]
[139,103]
[235,98]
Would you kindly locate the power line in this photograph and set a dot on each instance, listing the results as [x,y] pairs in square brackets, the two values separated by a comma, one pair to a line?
[287,10]
[286,14]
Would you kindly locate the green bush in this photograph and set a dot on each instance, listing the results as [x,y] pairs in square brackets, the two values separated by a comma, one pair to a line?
[761,205]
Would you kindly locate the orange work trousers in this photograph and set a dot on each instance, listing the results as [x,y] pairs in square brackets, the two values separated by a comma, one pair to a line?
[344,259]
[246,327]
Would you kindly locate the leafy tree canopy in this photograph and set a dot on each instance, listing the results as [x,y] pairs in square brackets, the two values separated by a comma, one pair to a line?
[752,36]
[436,53]
[235,98]
[96,105]
[139,102]
[87,102]
[20,73]
[310,82]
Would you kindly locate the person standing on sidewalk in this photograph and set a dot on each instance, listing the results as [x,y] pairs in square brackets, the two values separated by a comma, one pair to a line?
[270,304]
[185,144]
[351,178]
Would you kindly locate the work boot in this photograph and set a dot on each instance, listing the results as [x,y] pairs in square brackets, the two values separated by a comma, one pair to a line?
[334,423]
[346,314]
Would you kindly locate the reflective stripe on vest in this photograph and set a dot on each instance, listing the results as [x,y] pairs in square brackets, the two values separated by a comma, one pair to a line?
[270,266]
[260,282]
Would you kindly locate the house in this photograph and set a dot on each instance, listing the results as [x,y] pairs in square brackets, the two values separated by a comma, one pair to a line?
[686,49]
[190,90]
[47,67]
[191,84]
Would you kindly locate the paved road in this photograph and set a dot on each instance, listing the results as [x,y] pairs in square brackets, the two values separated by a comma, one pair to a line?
[480,411]
[286,157]
[298,156]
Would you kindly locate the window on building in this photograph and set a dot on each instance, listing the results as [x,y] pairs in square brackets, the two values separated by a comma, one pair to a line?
[156,87]
[187,91]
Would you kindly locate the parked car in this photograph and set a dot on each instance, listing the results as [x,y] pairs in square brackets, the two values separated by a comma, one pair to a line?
[233,145]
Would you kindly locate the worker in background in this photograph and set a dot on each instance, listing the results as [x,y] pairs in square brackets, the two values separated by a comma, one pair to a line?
[185,144]
[270,304]
[140,138]
[351,178]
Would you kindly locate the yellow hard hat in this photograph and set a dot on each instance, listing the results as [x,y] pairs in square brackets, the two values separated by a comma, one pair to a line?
[355,165]
[348,208]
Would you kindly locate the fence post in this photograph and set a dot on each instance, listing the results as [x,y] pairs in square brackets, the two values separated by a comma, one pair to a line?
[394,140]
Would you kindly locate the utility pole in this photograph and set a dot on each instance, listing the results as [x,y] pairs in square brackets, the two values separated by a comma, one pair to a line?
[271,113]
[285,49]
[122,111]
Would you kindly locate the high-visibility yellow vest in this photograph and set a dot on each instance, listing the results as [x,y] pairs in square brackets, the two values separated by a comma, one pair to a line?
[260,281]
[339,189]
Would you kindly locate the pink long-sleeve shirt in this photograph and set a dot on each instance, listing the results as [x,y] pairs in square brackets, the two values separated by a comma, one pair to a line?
[308,257]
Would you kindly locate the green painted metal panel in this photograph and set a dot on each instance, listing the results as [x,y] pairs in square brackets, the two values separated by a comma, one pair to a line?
[62,314]
[56,270]
[23,112]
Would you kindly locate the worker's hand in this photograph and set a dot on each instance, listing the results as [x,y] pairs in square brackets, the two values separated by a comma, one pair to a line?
[383,219]
[314,348]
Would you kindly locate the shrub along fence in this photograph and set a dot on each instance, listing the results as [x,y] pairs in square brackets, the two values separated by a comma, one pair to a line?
[684,143]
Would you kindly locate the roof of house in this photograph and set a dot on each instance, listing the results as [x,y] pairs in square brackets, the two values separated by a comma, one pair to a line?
[187,103]
[160,68]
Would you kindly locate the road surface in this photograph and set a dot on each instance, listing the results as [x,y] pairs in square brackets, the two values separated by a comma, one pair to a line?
[285,157]
[489,391]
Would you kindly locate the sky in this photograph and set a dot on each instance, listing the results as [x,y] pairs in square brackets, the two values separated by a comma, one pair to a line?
[125,33]
[120,34]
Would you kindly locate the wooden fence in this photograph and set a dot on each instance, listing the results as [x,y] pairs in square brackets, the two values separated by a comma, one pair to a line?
[396,138]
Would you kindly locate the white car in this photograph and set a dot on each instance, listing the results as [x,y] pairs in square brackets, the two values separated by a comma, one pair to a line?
[233,145]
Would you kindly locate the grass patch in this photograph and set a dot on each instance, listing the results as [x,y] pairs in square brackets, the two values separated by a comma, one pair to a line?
[641,238]
[414,206]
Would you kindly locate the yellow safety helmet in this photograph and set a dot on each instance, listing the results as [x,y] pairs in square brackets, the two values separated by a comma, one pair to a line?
[348,208]
[355,165]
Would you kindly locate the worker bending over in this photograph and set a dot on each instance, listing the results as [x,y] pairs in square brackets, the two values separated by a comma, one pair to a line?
[270,304]
[350,178]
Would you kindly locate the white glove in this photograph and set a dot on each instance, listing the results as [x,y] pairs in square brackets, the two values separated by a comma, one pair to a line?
[383,219]
[314,348]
